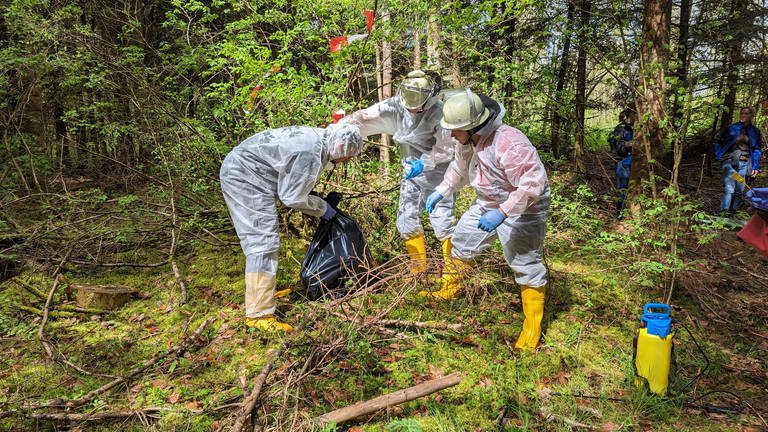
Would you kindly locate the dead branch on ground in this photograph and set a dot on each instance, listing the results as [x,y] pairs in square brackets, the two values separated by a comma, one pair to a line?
[382,402]
[172,353]
[250,402]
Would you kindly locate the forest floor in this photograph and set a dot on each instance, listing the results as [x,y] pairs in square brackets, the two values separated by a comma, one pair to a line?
[342,353]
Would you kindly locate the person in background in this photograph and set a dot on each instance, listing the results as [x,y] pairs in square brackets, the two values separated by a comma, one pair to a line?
[277,164]
[512,203]
[412,118]
[620,141]
[738,148]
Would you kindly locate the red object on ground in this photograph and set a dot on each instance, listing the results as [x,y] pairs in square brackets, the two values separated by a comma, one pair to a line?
[338,42]
[369,16]
[338,115]
[755,232]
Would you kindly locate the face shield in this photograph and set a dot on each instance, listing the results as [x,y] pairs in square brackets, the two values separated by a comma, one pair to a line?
[463,110]
[415,90]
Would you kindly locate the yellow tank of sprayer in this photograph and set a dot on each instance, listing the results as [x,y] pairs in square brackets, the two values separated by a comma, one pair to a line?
[652,358]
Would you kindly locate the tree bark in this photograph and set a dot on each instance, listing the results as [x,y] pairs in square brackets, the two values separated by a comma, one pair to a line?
[581,85]
[416,49]
[562,73]
[650,133]
[386,90]
[732,61]
[683,60]
[433,45]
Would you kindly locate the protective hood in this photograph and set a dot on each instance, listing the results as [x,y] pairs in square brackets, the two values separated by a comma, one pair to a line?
[344,141]
[497,116]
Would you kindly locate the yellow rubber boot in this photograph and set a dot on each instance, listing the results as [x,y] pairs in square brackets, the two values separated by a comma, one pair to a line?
[282,293]
[447,245]
[533,309]
[268,324]
[417,250]
[454,271]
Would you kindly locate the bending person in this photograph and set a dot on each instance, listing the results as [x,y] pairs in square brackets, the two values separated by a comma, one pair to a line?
[278,164]
[512,203]
[412,118]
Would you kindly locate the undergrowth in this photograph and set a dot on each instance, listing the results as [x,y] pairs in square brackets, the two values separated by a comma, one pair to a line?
[601,272]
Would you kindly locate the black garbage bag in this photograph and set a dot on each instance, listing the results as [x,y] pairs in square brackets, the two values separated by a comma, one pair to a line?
[337,252]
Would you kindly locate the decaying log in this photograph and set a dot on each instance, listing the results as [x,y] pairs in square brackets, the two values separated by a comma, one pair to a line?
[371,406]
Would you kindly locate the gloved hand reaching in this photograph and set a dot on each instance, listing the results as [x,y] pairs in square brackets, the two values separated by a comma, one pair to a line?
[432,201]
[413,168]
[489,221]
[330,212]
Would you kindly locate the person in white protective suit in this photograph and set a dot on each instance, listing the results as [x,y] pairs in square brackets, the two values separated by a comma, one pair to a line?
[512,202]
[412,118]
[282,164]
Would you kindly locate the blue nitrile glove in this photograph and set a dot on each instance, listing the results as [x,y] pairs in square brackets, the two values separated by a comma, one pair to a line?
[417,167]
[330,212]
[489,221]
[432,201]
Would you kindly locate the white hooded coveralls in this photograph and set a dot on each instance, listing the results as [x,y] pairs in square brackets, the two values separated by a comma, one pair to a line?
[507,174]
[282,164]
[419,136]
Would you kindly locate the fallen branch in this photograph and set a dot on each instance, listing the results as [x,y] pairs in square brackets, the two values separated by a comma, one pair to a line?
[180,281]
[73,417]
[250,402]
[436,325]
[548,415]
[173,352]
[64,311]
[29,288]
[36,311]
[46,309]
[382,402]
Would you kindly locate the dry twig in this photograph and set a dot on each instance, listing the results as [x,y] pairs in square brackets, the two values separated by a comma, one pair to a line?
[250,402]
[173,352]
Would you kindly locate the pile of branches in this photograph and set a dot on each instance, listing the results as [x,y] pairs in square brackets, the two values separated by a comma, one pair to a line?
[327,333]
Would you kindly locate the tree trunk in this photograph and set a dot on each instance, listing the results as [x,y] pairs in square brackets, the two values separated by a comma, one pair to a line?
[732,61]
[386,90]
[650,133]
[562,73]
[581,86]
[683,61]
[433,45]
[416,49]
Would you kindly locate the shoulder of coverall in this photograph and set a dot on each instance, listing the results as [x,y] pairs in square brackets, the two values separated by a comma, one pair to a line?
[295,136]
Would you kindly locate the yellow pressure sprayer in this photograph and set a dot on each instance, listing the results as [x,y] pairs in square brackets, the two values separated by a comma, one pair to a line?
[652,357]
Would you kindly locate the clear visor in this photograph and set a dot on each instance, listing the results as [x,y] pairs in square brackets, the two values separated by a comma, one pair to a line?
[462,110]
[413,97]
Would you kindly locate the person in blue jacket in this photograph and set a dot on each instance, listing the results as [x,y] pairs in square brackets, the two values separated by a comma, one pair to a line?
[620,141]
[738,148]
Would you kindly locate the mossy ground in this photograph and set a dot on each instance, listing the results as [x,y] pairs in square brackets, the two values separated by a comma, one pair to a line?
[590,319]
